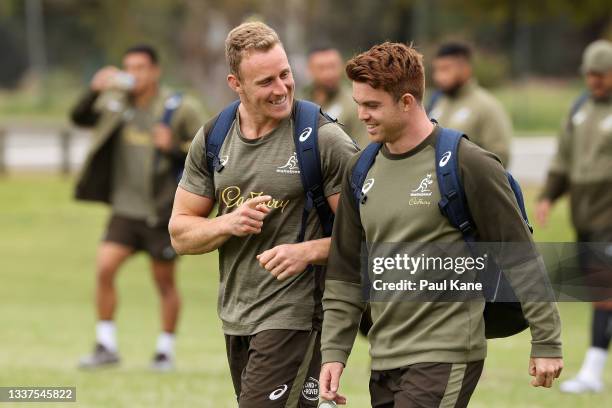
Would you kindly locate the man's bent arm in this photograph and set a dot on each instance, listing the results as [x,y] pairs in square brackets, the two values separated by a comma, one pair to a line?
[498,220]
[191,231]
[317,250]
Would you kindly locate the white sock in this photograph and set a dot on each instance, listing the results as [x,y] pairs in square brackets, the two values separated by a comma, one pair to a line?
[165,343]
[106,334]
[594,363]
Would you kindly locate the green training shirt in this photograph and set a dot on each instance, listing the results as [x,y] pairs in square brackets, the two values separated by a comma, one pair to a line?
[250,298]
[402,206]
[475,112]
[583,166]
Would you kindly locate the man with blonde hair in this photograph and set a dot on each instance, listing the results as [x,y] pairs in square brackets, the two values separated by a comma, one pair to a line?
[247,159]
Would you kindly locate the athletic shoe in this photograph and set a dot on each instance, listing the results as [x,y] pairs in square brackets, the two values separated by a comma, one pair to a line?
[162,362]
[101,357]
[579,385]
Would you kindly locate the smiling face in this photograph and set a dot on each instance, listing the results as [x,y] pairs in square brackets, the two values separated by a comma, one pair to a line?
[265,83]
[383,116]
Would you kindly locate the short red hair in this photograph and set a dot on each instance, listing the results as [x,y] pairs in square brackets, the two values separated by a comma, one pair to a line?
[394,67]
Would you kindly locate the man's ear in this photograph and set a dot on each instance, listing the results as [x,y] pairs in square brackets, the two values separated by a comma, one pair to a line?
[408,101]
[466,69]
[234,83]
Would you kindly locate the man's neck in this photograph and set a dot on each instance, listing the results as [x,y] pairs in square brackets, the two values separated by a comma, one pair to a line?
[417,130]
[603,99]
[143,99]
[254,126]
[458,88]
[322,95]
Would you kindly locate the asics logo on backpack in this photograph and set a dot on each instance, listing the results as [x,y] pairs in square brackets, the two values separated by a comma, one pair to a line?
[305,134]
[367,185]
[445,158]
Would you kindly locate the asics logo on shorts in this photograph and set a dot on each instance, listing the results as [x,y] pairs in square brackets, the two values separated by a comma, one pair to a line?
[445,158]
[279,392]
[305,134]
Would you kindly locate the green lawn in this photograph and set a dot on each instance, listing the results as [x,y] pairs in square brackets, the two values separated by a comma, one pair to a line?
[47,250]
[538,107]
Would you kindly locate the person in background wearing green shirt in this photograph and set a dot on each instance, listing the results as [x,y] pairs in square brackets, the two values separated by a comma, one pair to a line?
[329,91]
[462,104]
[582,167]
[142,132]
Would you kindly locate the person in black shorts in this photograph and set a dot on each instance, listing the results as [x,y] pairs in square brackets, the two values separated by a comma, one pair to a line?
[270,268]
[142,132]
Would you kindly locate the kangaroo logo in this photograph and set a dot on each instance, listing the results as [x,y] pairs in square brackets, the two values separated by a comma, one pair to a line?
[423,189]
[291,167]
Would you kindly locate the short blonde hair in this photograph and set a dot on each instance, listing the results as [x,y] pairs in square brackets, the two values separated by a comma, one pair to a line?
[245,38]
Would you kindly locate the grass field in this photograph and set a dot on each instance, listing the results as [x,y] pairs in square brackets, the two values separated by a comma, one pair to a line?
[47,319]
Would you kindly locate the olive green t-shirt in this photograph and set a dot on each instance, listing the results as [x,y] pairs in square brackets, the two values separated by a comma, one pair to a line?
[342,107]
[136,161]
[583,166]
[132,194]
[402,207]
[475,112]
[250,298]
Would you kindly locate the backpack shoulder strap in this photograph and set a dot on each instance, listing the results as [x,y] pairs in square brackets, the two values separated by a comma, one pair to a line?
[171,105]
[453,203]
[518,194]
[217,135]
[578,103]
[581,100]
[360,172]
[435,97]
[306,124]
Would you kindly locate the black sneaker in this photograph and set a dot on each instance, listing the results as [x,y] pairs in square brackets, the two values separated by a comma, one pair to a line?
[101,357]
[162,362]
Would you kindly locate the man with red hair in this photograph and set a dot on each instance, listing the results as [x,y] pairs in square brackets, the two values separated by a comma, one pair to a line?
[424,354]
